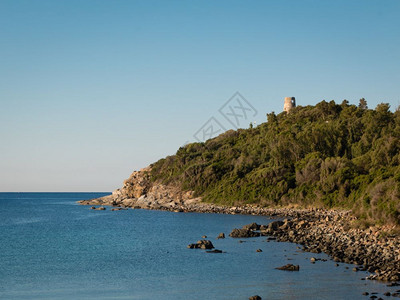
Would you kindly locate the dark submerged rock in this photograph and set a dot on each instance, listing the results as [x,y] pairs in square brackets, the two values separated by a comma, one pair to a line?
[397,295]
[289,267]
[215,251]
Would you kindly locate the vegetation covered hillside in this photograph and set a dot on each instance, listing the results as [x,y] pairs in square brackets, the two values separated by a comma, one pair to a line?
[327,155]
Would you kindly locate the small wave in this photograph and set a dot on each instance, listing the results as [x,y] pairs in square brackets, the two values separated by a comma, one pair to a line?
[84,217]
[22,221]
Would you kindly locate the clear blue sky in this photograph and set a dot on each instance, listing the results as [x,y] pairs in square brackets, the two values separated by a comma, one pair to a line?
[92,90]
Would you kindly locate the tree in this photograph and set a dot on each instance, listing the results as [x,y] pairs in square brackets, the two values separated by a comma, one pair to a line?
[363,104]
[271,117]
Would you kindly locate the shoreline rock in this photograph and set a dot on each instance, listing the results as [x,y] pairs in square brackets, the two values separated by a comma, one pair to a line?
[243,233]
[364,248]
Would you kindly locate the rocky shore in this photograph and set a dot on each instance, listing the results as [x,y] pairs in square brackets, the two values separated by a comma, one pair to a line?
[368,250]
[317,230]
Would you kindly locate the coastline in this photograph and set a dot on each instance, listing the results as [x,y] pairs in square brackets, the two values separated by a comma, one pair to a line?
[317,230]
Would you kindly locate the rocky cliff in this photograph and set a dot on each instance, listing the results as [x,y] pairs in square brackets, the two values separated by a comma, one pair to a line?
[139,191]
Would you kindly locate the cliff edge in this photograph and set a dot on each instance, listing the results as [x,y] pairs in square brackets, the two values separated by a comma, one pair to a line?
[139,191]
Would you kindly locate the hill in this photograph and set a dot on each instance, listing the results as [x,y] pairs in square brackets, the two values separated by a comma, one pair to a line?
[327,155]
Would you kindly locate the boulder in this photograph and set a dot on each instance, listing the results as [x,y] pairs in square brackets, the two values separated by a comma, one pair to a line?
[100,208]
[202,244]
[243,233]
[289,267]
[397,295]
[252,226]
[221,235]
[256,297]
[273,226]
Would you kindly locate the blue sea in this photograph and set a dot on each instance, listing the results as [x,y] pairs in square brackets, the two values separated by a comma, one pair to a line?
[53,248]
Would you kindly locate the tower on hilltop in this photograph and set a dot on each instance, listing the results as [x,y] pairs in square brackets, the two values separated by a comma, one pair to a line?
[290,102]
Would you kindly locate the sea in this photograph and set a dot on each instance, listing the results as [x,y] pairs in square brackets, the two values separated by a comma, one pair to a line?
[53,248]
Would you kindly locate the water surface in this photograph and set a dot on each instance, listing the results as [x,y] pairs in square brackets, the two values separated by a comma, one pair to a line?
[52,248]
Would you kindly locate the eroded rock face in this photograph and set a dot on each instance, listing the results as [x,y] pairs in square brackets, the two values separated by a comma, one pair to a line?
[137,185]
[139,191]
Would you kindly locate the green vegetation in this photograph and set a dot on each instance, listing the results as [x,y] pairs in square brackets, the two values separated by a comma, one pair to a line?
[327,155]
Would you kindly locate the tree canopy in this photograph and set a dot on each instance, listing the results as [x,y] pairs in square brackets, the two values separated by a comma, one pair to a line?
[327,155]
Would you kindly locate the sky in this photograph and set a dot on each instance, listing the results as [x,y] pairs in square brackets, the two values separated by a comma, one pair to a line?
[92,90]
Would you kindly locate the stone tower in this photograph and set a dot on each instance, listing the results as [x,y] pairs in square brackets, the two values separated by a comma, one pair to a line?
[290,102]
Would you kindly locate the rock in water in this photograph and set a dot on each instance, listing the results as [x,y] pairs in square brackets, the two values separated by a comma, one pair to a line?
[214,251]
[256,297]
[289,267]
[274,225]
[252,226]
[243,233]
[202,244]
[387,294]
[397,295]
[221,235]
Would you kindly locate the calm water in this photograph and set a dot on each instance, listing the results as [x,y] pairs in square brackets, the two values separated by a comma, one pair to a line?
[52,248]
